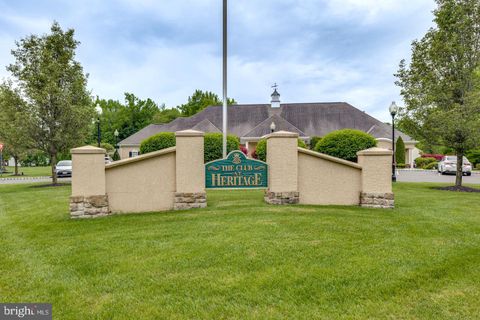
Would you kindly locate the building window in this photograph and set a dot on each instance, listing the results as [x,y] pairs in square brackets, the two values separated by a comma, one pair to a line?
[132,154]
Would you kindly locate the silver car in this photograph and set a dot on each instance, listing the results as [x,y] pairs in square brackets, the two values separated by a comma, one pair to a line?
[64,168]
[448,164]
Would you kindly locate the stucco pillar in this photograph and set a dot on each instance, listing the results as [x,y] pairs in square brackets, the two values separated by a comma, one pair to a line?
[88,198]
[376,178]
[189,170]
[282,160]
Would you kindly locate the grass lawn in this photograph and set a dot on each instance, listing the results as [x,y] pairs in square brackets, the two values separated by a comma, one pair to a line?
[240,258]
[28,172]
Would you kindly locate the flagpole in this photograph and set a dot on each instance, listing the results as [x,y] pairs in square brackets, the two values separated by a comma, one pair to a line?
[224,109]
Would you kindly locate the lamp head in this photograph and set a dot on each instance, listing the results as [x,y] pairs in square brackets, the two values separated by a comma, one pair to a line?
[393,109]
[273,126]
[98,109]
[116,133]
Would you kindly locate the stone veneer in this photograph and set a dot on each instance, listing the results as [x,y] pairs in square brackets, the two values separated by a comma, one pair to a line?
[188,200]
[89,206]
[377,200]
[290,197]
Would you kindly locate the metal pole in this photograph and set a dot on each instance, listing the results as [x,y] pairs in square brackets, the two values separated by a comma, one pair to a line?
[98,132]
[224,109]
[394,177]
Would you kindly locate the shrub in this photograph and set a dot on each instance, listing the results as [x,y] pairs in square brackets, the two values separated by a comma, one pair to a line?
[313,141]
[477,166]
[437,156]
[345,143]
[108,147]
[431,166]
[401,165]
[261,150]
[116,155]
[400,151]
[158,141]
[244,150]
[213,145]
[473,156]
[423,162]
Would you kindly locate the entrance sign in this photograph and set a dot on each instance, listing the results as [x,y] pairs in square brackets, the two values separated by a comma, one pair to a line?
[236,171]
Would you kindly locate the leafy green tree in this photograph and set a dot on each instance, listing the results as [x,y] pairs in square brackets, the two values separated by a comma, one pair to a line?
[13,133]
[400,151]
[200,100]
[128,118]
[166,115]
[52,82]
[441,84]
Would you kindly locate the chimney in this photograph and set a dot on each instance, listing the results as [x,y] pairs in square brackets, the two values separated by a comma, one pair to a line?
[275,102]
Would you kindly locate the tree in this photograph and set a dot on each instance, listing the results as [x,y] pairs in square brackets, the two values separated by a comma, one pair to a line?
[128,118]
[53,85]
[400,152]
[441,84]
[200,100]
[12,130]
[166,115]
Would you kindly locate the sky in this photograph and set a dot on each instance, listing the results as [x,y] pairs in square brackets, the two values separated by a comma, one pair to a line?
[315,50]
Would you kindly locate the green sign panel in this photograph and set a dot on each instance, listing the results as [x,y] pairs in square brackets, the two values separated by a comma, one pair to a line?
[236,171]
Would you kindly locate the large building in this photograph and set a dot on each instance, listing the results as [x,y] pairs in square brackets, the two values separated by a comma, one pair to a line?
[250,122]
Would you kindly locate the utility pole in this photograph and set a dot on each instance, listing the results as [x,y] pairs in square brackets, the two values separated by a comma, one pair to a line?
[224,108]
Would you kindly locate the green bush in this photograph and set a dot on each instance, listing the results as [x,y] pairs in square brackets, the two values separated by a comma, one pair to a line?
[107,146]
[477,166]
[156,142]
[401,165]
[473,156]
[431,165]
[261,150]
[116,155]
[421,163]
[345,143]
[400,151]
[213,145]
[313,141]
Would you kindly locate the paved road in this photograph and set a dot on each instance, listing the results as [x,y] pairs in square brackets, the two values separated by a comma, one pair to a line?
[433,176]
[16,180]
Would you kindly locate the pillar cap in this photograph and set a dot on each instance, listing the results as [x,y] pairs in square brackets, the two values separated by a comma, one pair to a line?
[189,133]
[375,152]
[282,134]
[88,150]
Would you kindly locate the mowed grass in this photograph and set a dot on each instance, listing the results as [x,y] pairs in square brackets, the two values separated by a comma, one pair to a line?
[243,259]
[28,172]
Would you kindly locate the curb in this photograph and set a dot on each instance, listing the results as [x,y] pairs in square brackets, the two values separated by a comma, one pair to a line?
[24,178]
[428,171]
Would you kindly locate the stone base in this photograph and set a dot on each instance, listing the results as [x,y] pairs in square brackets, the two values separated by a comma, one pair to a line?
[89,207]
[377,200]
[290,197]
[184,201]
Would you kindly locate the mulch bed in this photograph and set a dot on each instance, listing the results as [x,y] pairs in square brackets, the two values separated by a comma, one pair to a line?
[457,189]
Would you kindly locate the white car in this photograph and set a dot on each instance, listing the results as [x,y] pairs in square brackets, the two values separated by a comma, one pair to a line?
[448,164]
[64,168]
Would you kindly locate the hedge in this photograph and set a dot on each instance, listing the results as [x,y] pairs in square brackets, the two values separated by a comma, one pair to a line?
[345,143]
[423,162]
[213,144]
[313,141]
[261,150]
[431,166]
[157,142]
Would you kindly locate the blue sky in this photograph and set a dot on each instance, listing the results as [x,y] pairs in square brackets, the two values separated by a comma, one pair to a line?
[317,51]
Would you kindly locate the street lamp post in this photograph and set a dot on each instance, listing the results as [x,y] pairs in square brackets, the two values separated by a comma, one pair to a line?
[116,133]
[99,134]
[393,111]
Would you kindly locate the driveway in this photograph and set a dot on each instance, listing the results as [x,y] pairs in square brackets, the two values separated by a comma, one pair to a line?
[433,176]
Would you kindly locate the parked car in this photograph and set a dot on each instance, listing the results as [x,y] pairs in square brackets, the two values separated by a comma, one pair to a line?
[108,159]
[64,168]
[448,164]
